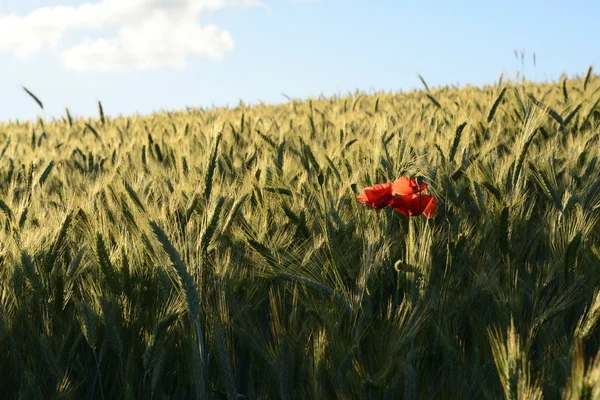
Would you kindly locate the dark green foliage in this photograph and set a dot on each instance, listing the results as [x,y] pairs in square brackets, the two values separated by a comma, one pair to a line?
[588,76]
[423,82]
[210,170]
[456,141]
[46,172]
[495,105]
[34,97]
[433,100]
[101,112]
[93,130]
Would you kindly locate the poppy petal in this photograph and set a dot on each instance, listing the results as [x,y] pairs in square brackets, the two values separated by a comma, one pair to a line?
[405,186]
[400,204]
[430,205]
[377,196]
[383,201]
[415,204]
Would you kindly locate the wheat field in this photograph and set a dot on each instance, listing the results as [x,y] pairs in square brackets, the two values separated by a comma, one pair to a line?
[222,253]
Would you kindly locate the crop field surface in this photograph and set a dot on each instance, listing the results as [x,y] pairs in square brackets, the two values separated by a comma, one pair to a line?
[224,253]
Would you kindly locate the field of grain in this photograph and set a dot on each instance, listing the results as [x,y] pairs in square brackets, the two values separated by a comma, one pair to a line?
[223,253]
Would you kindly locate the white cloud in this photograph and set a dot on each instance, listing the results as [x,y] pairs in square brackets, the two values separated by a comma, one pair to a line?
[129,34]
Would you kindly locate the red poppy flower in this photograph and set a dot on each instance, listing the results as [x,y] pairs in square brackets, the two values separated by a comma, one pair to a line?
[403,195]
[403,186]
[415,204]
[377,196]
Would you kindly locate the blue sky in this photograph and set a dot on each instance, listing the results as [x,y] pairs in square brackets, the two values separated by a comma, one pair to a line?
[139,56]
